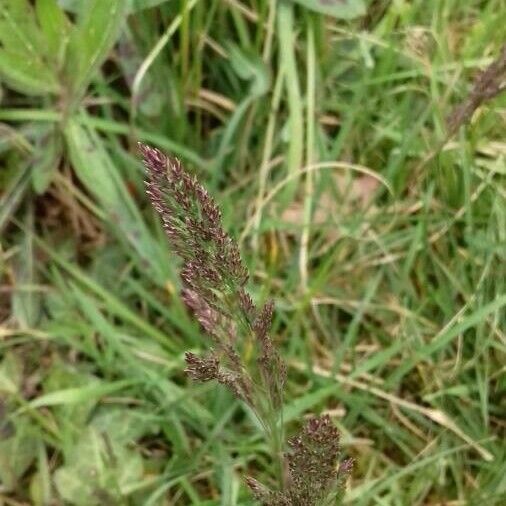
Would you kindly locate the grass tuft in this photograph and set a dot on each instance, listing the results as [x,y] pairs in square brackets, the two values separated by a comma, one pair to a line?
[324,140]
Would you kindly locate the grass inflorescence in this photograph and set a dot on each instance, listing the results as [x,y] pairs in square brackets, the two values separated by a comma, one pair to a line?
[213,278]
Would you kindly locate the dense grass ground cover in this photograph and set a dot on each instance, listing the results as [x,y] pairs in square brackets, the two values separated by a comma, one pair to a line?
[318,137]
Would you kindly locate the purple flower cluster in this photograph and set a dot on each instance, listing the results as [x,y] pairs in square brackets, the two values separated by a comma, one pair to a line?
[213,278]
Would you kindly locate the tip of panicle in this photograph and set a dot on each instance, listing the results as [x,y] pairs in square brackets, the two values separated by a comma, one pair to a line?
[154,159]
[143,148]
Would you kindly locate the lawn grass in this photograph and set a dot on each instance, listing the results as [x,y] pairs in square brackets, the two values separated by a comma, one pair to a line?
[318,137]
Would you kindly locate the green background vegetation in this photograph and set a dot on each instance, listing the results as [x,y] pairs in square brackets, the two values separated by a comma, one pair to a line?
[314,133]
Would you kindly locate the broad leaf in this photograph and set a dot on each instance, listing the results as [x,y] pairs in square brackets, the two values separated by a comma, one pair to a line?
[63,378]
[250,67]
[96,170]
[16,455]
[55,27]
[26,74]
[132,5]
[24,54]
[90,43]
[97,471]
[138,5]
[11,374]
[18,29]
[341,9]
[123,425]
